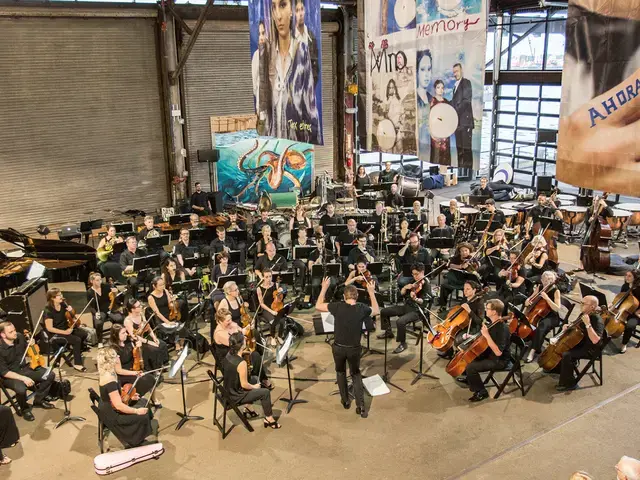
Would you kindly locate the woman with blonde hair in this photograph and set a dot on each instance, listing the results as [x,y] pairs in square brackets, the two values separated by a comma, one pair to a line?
[548,293]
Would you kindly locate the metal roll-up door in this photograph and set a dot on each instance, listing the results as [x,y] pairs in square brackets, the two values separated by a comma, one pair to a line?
[217,82]
[81,124]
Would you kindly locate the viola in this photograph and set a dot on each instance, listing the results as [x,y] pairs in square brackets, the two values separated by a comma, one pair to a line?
[33,352]
[616,316]
[174,311]
[138,362]
[278,298]
[73,321]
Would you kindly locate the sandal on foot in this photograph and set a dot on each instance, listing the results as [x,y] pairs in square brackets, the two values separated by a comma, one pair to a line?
[5,460]
[274,425]
[250,413]
[80,368]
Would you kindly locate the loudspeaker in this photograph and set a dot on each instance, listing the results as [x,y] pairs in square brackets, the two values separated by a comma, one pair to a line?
[544,184]
[217,202]
[548,136]
[205,156]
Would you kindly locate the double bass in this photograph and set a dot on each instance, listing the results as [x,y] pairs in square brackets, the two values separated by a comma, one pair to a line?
[615,317]
[595,254]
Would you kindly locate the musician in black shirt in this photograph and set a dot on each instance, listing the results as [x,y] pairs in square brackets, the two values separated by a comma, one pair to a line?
[261,222]
[394,199]
[272,260]
[491,211]
[330,218]
[347,237]
[148,229]
[441,231]
[19,376]
[413,253]
[483,190]
[631,282]
[99,303]
[349,317]
[300,264]
[233,224]
[416,214]
[184,249]
[200,201]
[388,175]
[361,250]
[452,215]
[593,330]
[496,356]
[544,208]
[126,265]
[226,243]
[417,295]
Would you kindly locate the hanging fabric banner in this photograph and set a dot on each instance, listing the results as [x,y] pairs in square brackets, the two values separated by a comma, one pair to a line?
[286,65]
[425,65]
[599,136]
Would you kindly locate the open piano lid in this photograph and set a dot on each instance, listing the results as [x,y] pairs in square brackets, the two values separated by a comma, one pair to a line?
[44,248]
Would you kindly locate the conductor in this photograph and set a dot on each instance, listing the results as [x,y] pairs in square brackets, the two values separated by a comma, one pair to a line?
[349,317]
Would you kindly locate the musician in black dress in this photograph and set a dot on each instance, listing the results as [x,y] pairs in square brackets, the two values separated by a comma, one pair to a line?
[417,295]
[132,423]
[362,178]
[461,260]
[232,301]
[265,293]
[158,300]
[402,235]
[361,276]
[98,294]
[631,282]
[110,267]
[271,260]
[496,356]
[551,295]
[154,351]
[510,282]
[349,317]
[9,434]
[173,272]
[56,324]
[474,306]
[236,381]
[538,259]
[593,329]
[496,247]
[394,199]
[19,376]
[299,219]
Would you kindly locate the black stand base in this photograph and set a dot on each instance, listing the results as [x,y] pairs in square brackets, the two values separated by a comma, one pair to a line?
[385,375]
[184,418]
[368,350]
[419,372]
[293,399]
[69,418]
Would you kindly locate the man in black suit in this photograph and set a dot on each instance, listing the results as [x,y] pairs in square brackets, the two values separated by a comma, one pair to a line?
[461,102]
[304,35]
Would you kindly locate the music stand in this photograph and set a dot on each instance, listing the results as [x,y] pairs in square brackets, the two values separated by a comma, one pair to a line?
[519,314]
[551,223]
[408,201]
[385,375]
[282,355]
[481,225]
[439,242]
[194,312]
[394,248]
[175,368]
[294,233]
[367,203]
[198,235]
[420,373]
[194,262]
[303,252]
[240,280]
[586,290]
[284,252]
[87,228]
[179,219]
[475,200]
[238,235]
[158,243]
[125,227]
[345,249]
[67,413]
[334,229]
[375,268]
[326,270]
[285,276]
[188,286]
[376,187]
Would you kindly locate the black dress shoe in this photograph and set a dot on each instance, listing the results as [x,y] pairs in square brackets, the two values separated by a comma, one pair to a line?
[565,388]
[362,412]
[346,405]
[462,379]
[479,396]
[28,416]
[400,348]
[386,334]
[44,404]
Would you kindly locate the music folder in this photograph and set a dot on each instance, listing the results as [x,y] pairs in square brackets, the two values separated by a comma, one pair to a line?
[303,252]
[149,262]
[193,262]
[238,235]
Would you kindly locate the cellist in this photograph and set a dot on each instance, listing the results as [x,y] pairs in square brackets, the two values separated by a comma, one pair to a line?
[552,320]
[498,338]
[631,282]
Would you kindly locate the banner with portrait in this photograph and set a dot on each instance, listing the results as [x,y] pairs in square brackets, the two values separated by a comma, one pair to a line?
[286,65]
[425,65]
[599,135]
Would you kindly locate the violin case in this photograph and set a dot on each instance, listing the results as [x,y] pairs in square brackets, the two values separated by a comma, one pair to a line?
[112,462]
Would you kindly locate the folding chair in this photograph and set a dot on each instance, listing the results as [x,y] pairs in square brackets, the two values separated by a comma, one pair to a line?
[11,399]
[221,395]
[590,367]
[636,335]
[103,428]
[514,369]
[569,305]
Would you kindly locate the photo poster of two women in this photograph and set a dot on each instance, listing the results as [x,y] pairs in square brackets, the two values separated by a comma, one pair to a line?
[425,65]
[599,134]
[286,65]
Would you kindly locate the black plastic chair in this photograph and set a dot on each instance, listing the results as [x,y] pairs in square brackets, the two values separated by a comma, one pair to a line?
[221,395]
[11,399]
[595,359]
[514,368]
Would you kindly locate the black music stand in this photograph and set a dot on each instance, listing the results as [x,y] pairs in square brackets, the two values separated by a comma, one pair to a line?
[179,219]
[158,243]
[326,270]
[178,367]
[519,314]
[475,200]
[294,233]
[194,313]
[420,373]
[238,235]
[67,413]
[282,355]
[345,249]
[194,262]
[439,242]
[481,225]
[241,280]
[367,203]
[285,277]
[551,223]
[394,248]
[408,201]
[385,375]
[376,187]
[150,262]
[586,290]
[188,286]
[334,229]
[284,252]
[122,228]
[86,228]
[303,252]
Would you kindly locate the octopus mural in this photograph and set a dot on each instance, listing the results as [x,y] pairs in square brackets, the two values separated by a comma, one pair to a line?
[251,167]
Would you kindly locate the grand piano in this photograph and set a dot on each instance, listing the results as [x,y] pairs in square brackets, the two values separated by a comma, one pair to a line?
[64,261]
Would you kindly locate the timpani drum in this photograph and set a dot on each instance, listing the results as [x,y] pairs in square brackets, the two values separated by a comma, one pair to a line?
[567,199]
[618,218]
[521,208]
[470,215]
[572,215]
[408,186]
[634,208]
[509,217]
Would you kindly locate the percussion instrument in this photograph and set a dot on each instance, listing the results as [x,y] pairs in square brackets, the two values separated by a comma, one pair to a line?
[618,219]
[386,134]
[504,172]
[521,208]
[572,215]
[634,208]
[443,121]
[409,187]
[469,215]
[509,217]
[567,199]
[444,206]
[284,239]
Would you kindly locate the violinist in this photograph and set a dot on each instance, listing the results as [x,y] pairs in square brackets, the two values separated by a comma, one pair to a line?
[537,260]
[154,351]
[491,211]
[417,295]
[159,299]
[56,324]
[225,327]
[361,276]
[173,272]
[412,253]
[266,294]
[232,301]
[271,260]
[497,247]
[299,220]
[593,329]
[131,423]
[631,282]
[361,250]
[495,357]
[510,282]
[20,377]
[184,249]
[300,264]
[461,260]
[121,343]
[552,320]
[261,222]
[98,294]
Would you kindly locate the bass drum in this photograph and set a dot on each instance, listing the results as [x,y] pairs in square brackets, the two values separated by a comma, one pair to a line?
[408,187]
[284,239]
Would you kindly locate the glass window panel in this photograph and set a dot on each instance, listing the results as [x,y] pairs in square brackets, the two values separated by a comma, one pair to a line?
[491,35]
[504,59]
[504,147]
[532,91]
[552,91]
[508,90]
[544,168]
[549,123]
[525,150]
[505,133]
[527,121]
[526,136]
[507,105]
[506,119]
[523,164]
[551,108]
[547,153]
[528,52]
[527,106]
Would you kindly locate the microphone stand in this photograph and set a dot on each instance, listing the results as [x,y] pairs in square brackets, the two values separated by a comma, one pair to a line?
[67,413]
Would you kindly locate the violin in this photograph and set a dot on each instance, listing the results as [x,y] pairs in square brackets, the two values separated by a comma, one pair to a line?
[128,391]
[33,352]
[174,311]
[368,278]
[615,317]
[246,320]
[278,297]
[73,321]
[138,362]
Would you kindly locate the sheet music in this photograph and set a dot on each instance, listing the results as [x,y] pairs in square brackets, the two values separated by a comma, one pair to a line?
[35,271]
[328,322]
[375,385]
[284,349]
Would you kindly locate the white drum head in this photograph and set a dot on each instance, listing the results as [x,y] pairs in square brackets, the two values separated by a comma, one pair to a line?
[404,12]
[504,172]
[443,121]
[386,134]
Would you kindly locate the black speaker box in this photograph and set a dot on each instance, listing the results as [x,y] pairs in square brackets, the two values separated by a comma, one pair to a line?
[205,156]
[217,202]
[544,183]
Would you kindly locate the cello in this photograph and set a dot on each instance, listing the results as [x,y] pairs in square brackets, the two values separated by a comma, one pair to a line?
[551,357]
[594,250]
[539,307]
[615,317]
[457,318]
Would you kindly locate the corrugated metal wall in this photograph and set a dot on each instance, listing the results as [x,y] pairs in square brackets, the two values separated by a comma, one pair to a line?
[81,124]
[217,81]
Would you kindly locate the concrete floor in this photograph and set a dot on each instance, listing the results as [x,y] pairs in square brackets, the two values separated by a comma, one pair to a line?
[430,431]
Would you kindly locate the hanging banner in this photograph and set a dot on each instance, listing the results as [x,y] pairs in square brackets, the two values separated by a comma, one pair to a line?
[599,136]
[286,65]
[431,54]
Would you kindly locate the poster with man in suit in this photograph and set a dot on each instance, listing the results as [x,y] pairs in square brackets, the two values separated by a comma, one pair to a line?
[462,104]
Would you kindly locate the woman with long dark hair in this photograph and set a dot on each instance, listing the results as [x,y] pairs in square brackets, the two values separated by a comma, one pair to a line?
[440,147]
[154,351]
